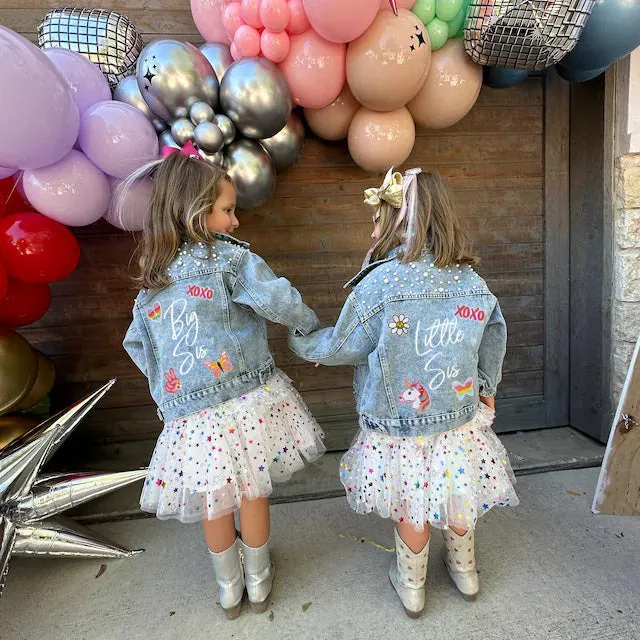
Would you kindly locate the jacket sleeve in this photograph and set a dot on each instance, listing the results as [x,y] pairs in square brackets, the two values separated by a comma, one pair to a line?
[346,343]
[271,297]
[491,353]
[134,345]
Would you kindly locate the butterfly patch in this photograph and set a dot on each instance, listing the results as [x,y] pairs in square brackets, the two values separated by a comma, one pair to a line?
[156,312]
[219,366]
[464,388]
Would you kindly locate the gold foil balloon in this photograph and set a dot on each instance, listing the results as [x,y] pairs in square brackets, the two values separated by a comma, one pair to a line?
[378,140]
[42,385]
[388,64]
[14,426]
[450,90]
[332,122]
[18,369]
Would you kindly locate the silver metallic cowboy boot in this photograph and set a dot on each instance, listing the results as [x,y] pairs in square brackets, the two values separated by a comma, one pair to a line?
[259,574]
[230,579]
[460,559]
[408,575]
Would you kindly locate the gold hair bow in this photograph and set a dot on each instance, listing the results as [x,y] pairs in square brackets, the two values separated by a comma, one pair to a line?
[390,191]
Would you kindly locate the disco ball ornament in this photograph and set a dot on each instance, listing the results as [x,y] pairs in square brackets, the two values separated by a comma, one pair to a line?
[107,38]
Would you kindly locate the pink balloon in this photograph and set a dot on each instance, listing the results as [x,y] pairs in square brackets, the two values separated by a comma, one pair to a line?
[275,46]
[207,15]
[134,205]
[341,20]
[314,69]
[117,137]
[251,13]
[298,21]
[72,191]
[232,19]
[247,41]
[235,54]
[274,15]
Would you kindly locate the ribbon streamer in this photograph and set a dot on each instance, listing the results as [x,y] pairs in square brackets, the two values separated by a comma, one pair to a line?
[394,6]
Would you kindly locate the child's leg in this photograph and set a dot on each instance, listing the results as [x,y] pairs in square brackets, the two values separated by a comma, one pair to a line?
[255,521]
[220,533]
[457,530]
[415,540]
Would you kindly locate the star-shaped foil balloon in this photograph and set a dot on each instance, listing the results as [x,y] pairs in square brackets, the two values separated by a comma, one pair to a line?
[30,501]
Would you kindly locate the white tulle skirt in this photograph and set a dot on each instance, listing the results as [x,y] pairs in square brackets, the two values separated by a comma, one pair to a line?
[205,463]
[449,478]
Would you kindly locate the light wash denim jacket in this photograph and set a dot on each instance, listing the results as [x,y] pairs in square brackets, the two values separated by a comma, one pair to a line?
[425,341]
[202,339]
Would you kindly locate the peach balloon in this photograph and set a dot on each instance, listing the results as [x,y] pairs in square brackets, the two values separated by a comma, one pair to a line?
[275,46]
[298,21]
[389,63]
[332,122]
[232,18]
[378,140]
[314,70]
[251,13]
[450,90]
[274,15]
[247,41]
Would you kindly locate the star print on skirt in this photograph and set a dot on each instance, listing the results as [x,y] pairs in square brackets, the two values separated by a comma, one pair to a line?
[448,478]
[205,463]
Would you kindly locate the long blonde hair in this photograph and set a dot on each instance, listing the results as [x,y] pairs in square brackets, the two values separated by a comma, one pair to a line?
[184,190]
[432,225]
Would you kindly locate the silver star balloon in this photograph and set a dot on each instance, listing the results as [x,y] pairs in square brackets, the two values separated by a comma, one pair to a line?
[30,501]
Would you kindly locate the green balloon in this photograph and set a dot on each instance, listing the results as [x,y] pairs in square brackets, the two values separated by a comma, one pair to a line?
[456,24]
[465,11]
[425,10]
[448,9]
[438,33]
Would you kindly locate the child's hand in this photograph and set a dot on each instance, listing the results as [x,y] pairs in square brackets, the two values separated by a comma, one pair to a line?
[490,401]
[316,364]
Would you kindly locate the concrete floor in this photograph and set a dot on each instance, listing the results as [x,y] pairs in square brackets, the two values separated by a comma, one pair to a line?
[549,569]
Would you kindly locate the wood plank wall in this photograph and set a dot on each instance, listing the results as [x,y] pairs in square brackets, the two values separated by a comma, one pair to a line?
[315,232]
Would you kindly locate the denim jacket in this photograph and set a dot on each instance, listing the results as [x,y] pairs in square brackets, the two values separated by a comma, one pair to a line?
[202,339]
[426,343]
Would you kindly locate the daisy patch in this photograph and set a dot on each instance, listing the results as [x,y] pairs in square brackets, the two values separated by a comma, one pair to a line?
[400,325]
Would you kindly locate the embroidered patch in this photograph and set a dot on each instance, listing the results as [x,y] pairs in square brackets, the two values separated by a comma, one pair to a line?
[156,312]
[196,291]
[172,383]
[464,388]
[416,395]
[220,366]
[470,314]
[400,325]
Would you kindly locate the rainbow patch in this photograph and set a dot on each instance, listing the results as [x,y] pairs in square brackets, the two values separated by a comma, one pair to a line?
[156,312]
[464,389]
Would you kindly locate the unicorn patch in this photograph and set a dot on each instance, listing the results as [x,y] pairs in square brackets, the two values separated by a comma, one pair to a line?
[417,396]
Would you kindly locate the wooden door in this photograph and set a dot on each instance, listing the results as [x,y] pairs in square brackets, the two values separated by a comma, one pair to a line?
[507,163]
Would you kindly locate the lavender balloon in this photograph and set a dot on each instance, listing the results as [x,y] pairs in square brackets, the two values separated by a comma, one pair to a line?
[39,119]
[128,210]
[87,83]
[72,191]
[117,138]
[5,172]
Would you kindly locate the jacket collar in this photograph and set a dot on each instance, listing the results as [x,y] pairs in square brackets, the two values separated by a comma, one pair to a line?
[227,238]
[370,267]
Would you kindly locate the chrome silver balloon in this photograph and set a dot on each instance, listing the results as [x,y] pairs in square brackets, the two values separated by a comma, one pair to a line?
[219,56]
[27,496]
[213,158]
[182,131]
[107,38]
[286,146]
[173,76]
[208,137]
[227,127]
[201,112]
[255,95]
[165,139]
[251,172]
[128,91]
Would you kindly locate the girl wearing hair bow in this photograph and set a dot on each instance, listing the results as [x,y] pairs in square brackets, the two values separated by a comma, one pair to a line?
[233,422]
[427,339]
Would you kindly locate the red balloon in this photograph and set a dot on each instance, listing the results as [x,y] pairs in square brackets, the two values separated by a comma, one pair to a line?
[36,249]
[3,281]
[11,200]
[23,303]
